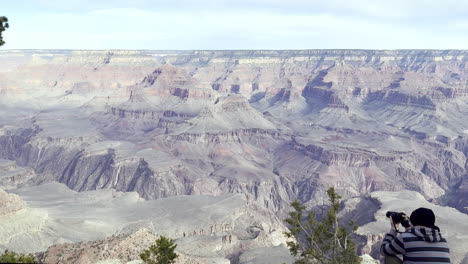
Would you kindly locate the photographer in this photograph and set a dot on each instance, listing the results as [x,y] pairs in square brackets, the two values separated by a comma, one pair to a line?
[420,243]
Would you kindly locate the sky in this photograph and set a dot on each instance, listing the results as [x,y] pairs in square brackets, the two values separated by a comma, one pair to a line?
[235,24]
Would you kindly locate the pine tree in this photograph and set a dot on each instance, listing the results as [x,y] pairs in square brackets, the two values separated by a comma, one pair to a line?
[324,240]
[160,253]
[3,25]
[12,257]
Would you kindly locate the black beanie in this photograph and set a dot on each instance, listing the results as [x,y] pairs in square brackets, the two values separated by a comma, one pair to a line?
[423,217]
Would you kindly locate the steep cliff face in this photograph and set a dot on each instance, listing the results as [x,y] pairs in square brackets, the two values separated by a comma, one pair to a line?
[274,125]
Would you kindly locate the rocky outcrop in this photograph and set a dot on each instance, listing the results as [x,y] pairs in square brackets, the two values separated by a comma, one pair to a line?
[448,93]
[14,140]
[181,93]
[123,113]
[218,138]
[10,203]
[399,98]
[115,248]
[18,220]
[325,97]
[83,172]
[12,176]
[348,157]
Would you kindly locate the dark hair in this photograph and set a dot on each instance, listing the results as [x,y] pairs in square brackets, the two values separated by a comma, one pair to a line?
[423,217]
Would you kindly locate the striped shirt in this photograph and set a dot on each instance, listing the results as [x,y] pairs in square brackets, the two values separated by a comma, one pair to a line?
[417,245]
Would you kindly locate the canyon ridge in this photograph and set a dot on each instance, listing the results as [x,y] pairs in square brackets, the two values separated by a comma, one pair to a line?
[210,147]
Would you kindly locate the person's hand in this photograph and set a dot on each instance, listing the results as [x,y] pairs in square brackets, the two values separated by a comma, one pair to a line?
[406,223]
[393,225]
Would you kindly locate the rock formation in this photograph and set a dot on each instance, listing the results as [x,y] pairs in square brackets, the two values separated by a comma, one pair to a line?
[60,221]
[273,126]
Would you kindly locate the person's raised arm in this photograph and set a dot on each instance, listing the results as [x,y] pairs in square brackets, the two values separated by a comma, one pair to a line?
[392,243]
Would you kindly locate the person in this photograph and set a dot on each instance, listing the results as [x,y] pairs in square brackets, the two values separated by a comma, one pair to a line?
[420,243]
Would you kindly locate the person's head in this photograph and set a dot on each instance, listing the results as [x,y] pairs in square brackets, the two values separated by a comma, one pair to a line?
[423,217]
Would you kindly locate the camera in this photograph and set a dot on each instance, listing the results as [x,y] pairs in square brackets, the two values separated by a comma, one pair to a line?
[399,217]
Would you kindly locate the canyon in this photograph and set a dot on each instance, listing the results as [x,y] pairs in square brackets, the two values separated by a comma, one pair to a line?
[163,129]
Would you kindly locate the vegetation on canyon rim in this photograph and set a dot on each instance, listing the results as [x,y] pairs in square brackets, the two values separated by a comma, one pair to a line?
[162,252]
[323,240]
[12,257]
[3,25]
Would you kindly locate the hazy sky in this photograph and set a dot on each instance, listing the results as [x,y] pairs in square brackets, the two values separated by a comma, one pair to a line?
[236,24]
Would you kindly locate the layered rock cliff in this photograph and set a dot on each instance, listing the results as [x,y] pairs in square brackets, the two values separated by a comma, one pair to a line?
[273,125]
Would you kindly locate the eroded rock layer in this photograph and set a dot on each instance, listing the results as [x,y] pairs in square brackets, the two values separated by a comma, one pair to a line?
[273,125]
